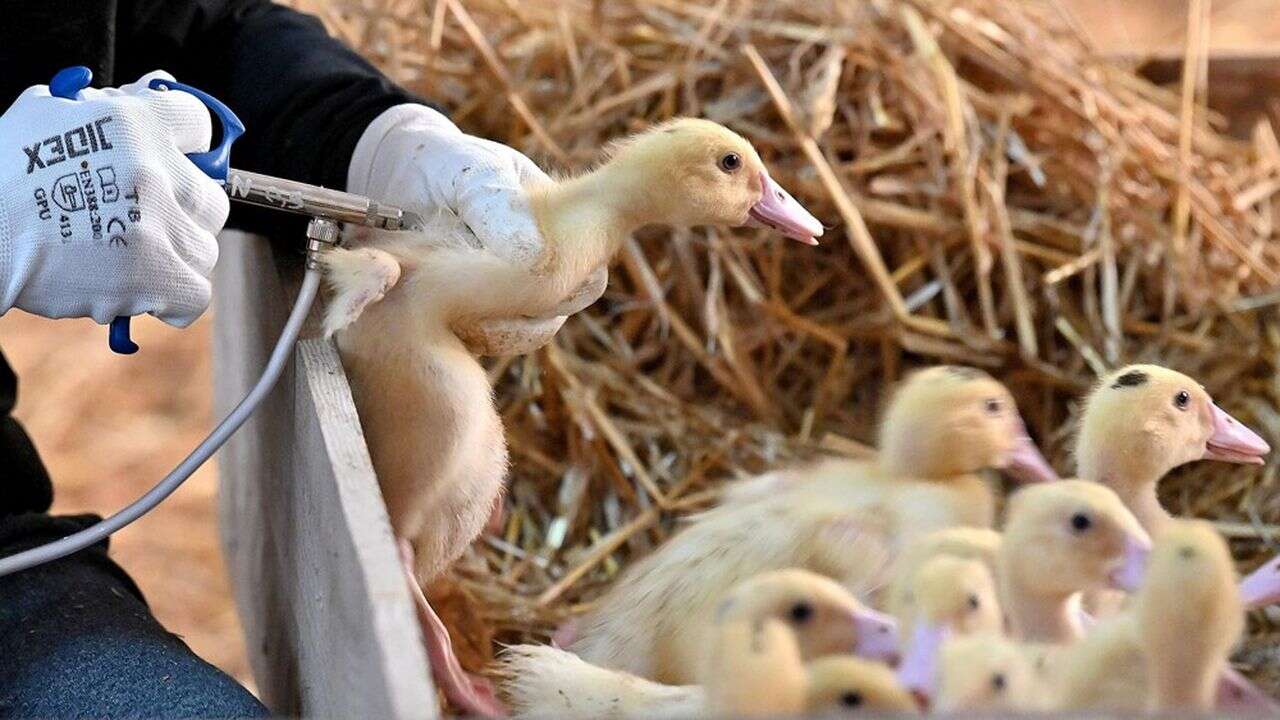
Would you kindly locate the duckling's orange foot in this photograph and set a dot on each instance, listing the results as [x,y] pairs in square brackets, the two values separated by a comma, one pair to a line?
[471,694]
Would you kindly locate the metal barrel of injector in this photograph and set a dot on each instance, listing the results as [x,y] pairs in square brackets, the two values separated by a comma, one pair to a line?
[312,200]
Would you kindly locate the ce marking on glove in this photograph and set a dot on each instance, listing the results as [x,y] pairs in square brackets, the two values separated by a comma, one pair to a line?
[87,190]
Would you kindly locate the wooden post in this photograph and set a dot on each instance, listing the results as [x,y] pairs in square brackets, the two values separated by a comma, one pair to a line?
[330,626]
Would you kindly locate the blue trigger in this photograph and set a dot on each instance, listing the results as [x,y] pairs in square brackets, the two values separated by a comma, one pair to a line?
[118,336]
[67,84]
[216,161]
[70,81]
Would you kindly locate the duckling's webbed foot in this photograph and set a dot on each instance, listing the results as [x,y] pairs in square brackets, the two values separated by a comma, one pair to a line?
[472,694]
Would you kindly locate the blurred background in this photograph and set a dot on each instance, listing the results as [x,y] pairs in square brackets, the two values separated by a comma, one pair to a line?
[109,426]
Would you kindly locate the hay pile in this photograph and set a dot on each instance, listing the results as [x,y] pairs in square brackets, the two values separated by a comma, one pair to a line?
[1000,197]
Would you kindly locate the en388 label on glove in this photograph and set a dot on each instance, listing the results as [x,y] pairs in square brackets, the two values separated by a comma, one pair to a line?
[86,201]
[101,213]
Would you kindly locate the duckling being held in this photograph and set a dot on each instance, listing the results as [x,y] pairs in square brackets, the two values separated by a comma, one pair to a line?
[424,400]
[841,519]
[762,631]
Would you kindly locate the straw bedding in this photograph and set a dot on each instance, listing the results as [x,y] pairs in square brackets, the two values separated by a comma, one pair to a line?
[998,196]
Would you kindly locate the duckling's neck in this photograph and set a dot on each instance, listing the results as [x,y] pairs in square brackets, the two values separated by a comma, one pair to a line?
[1142,501]
[905,464]
[1133,477]
[586,219]
[1036,616]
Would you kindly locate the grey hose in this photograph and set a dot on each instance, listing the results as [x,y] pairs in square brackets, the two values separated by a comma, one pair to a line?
[225,429]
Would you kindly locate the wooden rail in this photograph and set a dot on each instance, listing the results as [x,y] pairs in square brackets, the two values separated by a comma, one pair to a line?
[329,624]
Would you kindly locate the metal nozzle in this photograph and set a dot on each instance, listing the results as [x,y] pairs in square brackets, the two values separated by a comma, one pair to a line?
[322,234]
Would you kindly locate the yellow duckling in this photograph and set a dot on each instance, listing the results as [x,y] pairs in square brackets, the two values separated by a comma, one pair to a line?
[843,684]
[841,519]
[1142,421]
[1189,616]
[1139,423]
[760,635]
[985,673]
[1061,539]
[1168,651]
[969,543]
[403,302]
[948,597]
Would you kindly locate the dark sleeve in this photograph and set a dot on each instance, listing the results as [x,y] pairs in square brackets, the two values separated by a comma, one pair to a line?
[304,97]
[24,483]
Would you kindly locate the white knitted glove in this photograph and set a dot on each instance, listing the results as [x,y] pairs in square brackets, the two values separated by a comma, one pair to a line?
[414,157]
[100,212]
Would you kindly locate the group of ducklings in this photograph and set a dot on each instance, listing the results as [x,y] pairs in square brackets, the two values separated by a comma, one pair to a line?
[882,586]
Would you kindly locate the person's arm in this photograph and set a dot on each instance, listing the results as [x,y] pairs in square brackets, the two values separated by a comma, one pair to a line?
[304,97]
[317,112]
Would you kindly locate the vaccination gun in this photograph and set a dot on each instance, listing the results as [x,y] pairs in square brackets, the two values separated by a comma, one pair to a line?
[328,210]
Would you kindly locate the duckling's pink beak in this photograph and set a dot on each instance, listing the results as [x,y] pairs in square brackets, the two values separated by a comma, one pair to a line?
[918,671]
[877,635]
[778,210]
[1238,696]
[1233,442]
[1026,464]
[1261,587]
[1132,567]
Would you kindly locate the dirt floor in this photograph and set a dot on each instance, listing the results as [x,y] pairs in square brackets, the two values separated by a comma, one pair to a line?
[109,426]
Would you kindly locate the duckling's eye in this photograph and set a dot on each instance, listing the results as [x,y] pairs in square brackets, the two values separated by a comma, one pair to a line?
[851,699]
[998,682]
[1081,522]
[1182,400]
[801,612]
[730,162]
[974,602]
[992,406]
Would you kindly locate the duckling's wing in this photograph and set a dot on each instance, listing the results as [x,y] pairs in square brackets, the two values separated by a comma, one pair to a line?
[357,278]
[854,548]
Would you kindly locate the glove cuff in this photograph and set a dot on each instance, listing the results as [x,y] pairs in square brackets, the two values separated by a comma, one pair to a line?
[9,283]
[366,158]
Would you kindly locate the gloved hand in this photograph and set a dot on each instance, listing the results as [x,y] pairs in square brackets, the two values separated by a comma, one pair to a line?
[100,213]
[414,157]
